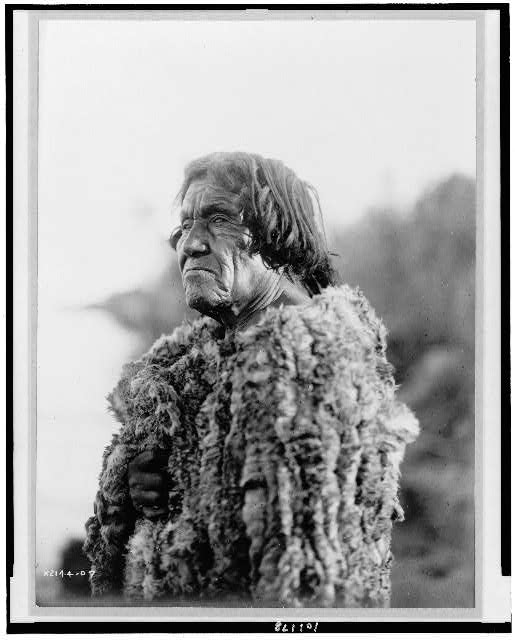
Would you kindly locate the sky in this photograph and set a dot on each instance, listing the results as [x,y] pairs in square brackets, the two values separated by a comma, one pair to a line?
[370,112]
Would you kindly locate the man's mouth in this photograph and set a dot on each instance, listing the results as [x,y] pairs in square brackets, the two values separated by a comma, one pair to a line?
[199,270]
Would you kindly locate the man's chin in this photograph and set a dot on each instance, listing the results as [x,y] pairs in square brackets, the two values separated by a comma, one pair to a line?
[205,302]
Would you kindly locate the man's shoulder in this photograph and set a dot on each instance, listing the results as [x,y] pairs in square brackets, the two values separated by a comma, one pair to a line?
[339,315]
[187,336]
[153,367]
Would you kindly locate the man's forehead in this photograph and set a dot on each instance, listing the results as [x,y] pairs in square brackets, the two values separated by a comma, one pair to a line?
[204,193]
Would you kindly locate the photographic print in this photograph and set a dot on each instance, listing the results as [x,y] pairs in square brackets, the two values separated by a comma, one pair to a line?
[255,293]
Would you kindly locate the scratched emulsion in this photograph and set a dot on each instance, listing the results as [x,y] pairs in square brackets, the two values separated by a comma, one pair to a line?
[285,442]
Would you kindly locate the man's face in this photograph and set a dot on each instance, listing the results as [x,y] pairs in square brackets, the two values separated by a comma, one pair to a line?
[217,270]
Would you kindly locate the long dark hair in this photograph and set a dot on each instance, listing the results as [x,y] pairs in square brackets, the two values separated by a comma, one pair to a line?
[279,210]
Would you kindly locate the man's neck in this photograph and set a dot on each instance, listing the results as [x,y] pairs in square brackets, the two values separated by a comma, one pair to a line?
[276,290]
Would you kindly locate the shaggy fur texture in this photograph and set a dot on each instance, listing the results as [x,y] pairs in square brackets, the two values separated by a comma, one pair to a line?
[284,445]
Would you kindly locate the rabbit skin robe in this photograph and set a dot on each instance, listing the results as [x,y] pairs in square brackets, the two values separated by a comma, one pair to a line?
[284,442]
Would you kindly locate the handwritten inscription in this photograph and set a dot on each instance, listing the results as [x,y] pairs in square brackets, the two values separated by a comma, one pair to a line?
[296,627]
[63,573]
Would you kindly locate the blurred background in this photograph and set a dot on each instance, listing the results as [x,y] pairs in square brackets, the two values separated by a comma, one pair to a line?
[379,115]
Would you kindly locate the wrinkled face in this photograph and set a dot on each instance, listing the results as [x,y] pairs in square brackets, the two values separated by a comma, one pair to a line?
[217,270]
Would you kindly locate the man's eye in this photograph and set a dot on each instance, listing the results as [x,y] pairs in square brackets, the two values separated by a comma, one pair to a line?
[218,218]
[186,224]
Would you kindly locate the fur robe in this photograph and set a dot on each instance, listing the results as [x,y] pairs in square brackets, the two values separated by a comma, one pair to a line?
[284,444]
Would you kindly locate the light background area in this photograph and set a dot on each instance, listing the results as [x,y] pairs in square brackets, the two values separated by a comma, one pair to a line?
[370,112]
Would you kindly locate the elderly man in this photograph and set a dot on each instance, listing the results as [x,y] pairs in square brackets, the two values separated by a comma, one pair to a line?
[260,445]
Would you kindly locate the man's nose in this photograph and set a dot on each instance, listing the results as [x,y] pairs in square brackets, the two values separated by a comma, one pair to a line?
[197,241]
